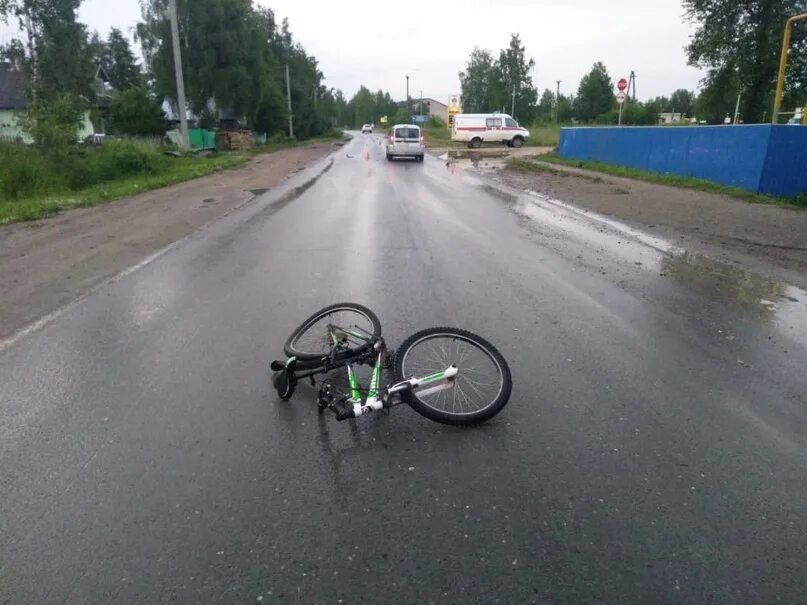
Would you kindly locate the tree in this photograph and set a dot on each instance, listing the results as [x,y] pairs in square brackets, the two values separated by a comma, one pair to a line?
[516,81]
[795,93]
[546,106]
[738,42]
[271,108]
[635,113]
[363,106]
[565,109]
[683,101]
[489,84]
[234,59]
[134,112]
[594,95]
[55,55]
[477,82]
[53,124]
[718,97]
[341,109]
[120,63]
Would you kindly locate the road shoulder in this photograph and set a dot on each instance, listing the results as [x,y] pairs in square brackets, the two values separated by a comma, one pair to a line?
[48,263]
[767,238]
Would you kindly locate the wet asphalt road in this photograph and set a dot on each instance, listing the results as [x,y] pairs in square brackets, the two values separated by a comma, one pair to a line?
[653,449]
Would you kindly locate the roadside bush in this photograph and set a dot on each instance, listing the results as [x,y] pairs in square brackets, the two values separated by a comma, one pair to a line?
[435,122]
[123,158]
[333,133]
[24,172]
[135,112]
[53,125]
[278,138]
[27,172]
[110,161]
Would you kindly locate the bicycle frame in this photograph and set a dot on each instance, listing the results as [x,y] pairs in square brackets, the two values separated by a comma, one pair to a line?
[377,397]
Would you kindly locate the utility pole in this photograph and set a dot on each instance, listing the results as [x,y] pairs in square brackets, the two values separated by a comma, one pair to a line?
[737,109]
[632,83]
[407,95]
[288,96]
[184,143]
[513,104]
[421,103]
[557,101]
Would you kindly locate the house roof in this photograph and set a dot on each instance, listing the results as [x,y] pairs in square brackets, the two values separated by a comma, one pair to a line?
[12,89]
[414,100]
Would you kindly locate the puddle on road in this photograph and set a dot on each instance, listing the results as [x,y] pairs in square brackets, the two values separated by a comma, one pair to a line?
[476,160]
[742,288]
[784,305]
[769,300]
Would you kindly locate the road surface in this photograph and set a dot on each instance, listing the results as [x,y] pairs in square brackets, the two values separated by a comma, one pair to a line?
[653,448]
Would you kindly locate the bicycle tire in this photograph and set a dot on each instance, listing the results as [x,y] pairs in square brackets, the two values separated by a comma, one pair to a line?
[428,408]
[292,350]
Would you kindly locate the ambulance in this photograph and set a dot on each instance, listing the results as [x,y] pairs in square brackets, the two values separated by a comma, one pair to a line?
[478,128]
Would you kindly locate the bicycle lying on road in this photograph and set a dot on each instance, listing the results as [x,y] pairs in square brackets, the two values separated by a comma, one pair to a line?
[448,375]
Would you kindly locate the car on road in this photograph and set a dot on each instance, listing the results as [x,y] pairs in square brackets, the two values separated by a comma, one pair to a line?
[367,128]
[405,140]
[478,128]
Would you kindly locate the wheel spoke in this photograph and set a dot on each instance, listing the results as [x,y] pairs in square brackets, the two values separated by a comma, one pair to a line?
[479,380]
[316,339]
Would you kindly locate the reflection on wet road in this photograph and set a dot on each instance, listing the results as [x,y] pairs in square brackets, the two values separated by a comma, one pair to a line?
[782,305]
[653,449]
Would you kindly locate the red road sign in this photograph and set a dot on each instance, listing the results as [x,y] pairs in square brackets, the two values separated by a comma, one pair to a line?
[622,84]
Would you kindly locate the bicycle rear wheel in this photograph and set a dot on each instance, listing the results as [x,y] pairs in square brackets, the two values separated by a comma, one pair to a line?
[482,385]
[355,326]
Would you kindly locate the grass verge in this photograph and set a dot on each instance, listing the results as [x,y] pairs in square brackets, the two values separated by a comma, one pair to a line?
[661,179]
[530,165]
[437,136]
[544,135]
[172,170]
[178,170]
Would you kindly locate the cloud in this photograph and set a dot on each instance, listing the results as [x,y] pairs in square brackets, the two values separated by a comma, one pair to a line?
[355,45]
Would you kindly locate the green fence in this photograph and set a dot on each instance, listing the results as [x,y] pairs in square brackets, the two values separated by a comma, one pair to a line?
[202,139]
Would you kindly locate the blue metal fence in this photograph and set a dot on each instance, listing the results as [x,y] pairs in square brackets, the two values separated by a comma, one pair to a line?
[760,157]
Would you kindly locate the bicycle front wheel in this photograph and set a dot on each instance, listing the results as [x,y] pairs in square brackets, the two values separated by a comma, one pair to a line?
[356,329]
[481,387]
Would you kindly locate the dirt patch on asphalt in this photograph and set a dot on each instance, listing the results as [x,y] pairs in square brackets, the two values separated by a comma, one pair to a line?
[765,236]
[47,263]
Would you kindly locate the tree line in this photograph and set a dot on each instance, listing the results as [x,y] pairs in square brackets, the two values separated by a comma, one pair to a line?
[736,42]
[234,55]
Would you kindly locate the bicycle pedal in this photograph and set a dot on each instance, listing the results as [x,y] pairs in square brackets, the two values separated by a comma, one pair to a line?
[324,397]
[342,409]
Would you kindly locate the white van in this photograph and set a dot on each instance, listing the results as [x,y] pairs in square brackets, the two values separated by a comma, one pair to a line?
[478,128]
[405,140]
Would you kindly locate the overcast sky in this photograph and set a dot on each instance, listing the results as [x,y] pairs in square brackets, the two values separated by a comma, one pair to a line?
[432,44]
